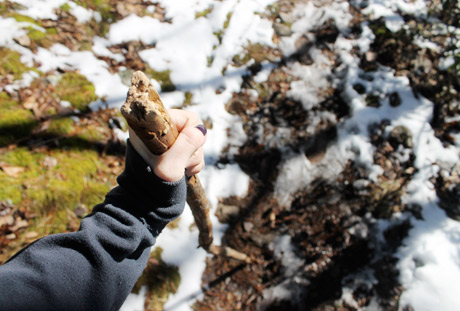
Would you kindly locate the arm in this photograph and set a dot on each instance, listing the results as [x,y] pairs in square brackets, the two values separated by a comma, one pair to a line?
[96,267]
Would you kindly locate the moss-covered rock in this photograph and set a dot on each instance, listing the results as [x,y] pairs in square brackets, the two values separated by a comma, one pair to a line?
[76,89]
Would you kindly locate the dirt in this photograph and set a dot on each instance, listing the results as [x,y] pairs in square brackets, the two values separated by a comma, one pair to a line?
[329,222]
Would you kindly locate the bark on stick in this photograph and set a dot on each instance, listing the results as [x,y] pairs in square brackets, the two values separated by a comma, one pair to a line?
[149,119]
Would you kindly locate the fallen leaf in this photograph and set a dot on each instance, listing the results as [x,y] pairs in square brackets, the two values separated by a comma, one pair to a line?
[12,171]
[6,220]
[19,224]
[50,162]
[30,103]
[31,235]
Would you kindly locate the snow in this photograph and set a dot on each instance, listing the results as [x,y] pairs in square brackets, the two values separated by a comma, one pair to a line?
[108,85]
[429,260]
[40,8]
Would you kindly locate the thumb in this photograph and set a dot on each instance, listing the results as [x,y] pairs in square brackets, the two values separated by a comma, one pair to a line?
[171,164]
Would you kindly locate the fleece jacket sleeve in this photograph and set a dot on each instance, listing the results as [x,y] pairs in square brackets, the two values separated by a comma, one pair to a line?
[96,267]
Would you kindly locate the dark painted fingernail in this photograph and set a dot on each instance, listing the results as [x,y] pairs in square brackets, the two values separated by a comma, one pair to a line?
[202,129]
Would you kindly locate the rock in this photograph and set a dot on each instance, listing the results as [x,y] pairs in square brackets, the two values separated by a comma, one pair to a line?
[371,56]
[286,17]
[50,162]
[247,225]
[422,64]
[394,99]
[282,30]
[23,40]
[400,135]
[263,239]
[80,211]
[227,213]
[358,87]
[125,76]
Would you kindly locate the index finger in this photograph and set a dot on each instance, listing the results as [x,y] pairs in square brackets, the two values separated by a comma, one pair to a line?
[183,118]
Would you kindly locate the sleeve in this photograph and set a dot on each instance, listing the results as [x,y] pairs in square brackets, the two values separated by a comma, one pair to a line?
[96,267]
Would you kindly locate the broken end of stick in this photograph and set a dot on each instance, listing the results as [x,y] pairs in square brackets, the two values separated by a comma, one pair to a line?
[147,116]
[229,253]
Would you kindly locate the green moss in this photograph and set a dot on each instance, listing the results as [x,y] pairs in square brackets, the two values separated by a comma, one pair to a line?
[60,127]
[43,39]
[203,13]
[76,89]
[13,187]
[65,7]
[227,20]
[10,63]
[257,52]
[15,122]
[35,34]
[163,77]
[94,193]
[3,9]
[9,189]
[22,157]
[52,190]
[22,18]
[219,35]
[104,7]
[90,133]
[187,99]
[108,16]
[160,279]
[51,31]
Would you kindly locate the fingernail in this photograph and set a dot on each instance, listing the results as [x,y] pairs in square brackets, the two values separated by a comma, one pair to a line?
[202,129]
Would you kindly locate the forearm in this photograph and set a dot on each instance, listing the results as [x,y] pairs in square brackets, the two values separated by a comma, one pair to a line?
[96,267]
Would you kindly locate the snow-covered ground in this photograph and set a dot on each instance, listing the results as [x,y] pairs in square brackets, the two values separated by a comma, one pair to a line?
[429,260]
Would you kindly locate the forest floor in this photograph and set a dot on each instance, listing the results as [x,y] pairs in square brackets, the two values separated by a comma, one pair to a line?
[330,223]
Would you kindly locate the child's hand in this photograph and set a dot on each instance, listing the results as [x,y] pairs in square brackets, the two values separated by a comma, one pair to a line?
[185,155]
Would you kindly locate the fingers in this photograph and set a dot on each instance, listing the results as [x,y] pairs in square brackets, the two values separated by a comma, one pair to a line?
[186,153]
[196,163]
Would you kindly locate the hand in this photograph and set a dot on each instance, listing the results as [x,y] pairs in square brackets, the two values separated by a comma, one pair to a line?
[185,155]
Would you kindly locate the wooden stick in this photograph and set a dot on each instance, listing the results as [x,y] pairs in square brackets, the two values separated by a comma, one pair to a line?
[149,119]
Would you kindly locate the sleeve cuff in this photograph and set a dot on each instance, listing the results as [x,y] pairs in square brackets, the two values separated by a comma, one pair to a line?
[141,193]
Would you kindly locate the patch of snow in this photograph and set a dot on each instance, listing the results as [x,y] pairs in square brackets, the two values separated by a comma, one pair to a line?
[100,49]
[288,289]
[108,86]
[313,80]
[389,10]
[135,302]
[44,9]
[81,14]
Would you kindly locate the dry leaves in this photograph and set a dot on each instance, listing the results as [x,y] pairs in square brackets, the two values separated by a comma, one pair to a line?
[10,170]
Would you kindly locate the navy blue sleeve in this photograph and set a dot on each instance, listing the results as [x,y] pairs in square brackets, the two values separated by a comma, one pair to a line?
[96,267]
